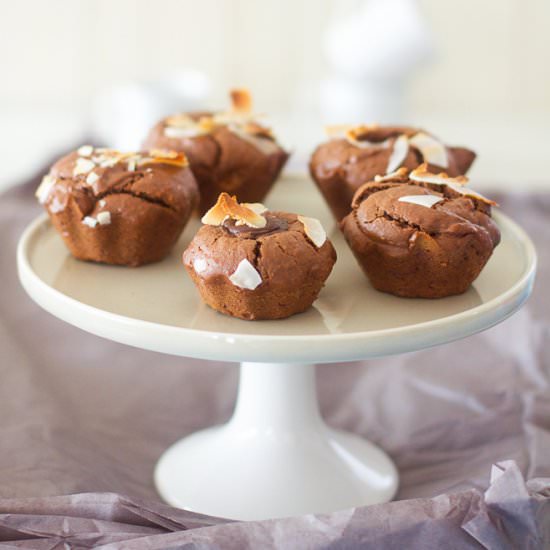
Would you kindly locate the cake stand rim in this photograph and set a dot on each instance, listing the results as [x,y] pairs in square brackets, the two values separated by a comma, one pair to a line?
[482,316]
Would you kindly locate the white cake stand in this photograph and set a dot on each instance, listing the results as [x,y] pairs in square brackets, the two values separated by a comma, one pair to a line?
[275,457]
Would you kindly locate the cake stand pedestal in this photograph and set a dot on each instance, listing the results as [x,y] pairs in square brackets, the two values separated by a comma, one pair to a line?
[275,457]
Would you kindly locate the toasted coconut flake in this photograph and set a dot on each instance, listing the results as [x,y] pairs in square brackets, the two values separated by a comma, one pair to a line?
[165,157]
[399,174]
[239,115]
[246,276]
[241,100]
[163,153]
[227,207]
[362,130]
[399,153]
[104,218]
[206,124]
[43,190]
[184,126]
[314,230]
[181,120]
[422,200]
[238,118]
[424,175]
[83,166]
[354,135]
[338,130]
[432,150]
[467,192]
[85,151]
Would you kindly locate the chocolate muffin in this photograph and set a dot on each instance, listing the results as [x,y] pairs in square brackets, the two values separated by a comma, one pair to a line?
[119,208]
[356,155]
[423,235]
[251,263]
[228,151]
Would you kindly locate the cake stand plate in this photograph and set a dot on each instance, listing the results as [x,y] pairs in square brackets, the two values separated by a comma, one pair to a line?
[275,457]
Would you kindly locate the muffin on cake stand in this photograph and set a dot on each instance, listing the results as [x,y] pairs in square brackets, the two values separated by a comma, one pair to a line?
[275,457]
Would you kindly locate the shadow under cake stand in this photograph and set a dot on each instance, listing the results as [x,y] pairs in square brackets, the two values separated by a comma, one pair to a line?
[275,457]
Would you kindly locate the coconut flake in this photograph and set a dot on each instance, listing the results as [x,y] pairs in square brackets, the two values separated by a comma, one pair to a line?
[422,200]
[102,203]
[43,191]
[421,174]
[241,100]
[109,162]
[83,166]
[91,178]
[314,230]
[467,192]
[256,207]
[85,151]
[399,153]
[181,126]
[432,150]
[227,207]
[246,276]
[132,165]
[89,221]
[165,156]
[263,144]
[104,218]
[199,265]
[177,132]
[398,174]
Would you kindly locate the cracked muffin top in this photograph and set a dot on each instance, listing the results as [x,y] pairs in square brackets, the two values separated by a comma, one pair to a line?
[90,175]
[229,151]
[356,154]
[251,246]
[386,148]
[119,208]
[395,208]
[420,235]
[202,134]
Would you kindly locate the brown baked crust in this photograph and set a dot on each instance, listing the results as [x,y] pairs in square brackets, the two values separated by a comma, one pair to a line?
[293,270]
[148,207]
[338,167]
[417,251]
[224,159]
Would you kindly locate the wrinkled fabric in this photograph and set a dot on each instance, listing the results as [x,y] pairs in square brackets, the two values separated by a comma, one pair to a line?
[510,514]
[466,423]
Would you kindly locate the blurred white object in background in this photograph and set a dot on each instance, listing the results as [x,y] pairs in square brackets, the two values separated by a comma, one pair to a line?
[124,114]
[371,53]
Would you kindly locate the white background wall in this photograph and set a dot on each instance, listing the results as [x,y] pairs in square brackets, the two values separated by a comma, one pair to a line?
[489,85]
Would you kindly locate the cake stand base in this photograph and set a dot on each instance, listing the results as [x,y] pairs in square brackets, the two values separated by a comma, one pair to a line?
[275,457]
